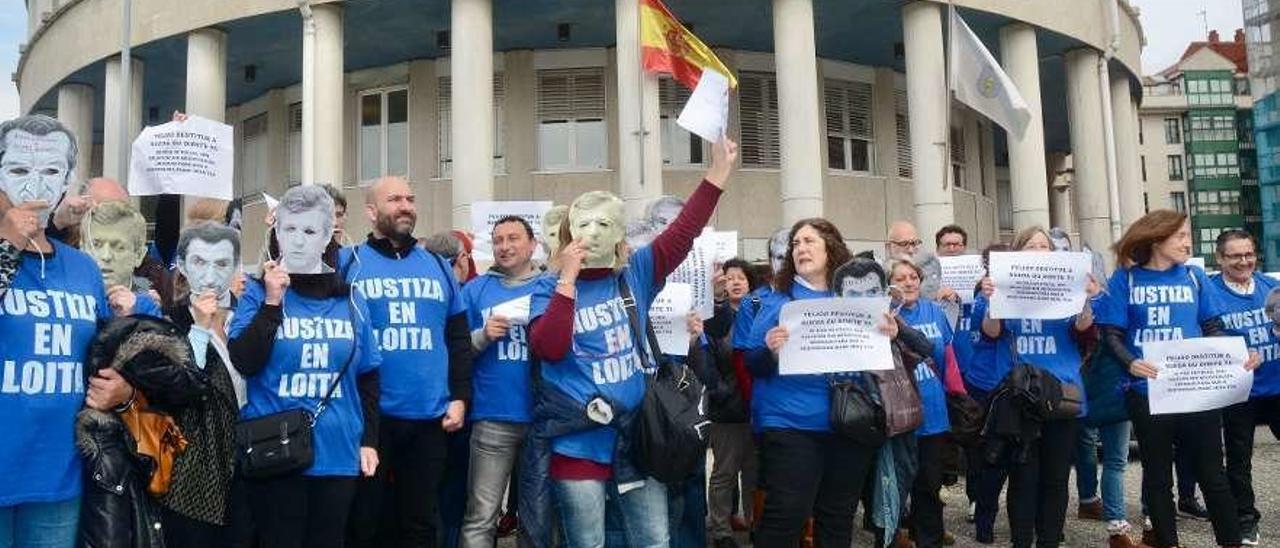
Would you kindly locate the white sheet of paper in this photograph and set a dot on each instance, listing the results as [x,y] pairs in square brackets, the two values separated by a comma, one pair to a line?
[962,273]
[516,310]
[698,270]
[707,112]
[1197,374]
[485,214]
[833,336]
[194,157]
[1196,261]
[272,203]
[1039,285]
[724,244]
[668,314]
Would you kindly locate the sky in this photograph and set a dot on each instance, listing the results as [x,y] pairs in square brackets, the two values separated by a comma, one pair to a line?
[1169,25]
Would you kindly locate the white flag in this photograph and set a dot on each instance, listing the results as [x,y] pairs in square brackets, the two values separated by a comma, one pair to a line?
[978,81]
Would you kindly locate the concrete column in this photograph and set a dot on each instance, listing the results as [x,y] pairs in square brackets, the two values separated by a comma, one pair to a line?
[330,90]
[1060,193]
[75,111]
[927,103]
[800,135]
[639,116]
[1124,116]
[1029,190]
[207,74]
[471,69]
[1088,151]
[114,116]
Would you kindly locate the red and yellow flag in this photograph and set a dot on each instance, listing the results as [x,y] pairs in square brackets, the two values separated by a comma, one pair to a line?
[669,47]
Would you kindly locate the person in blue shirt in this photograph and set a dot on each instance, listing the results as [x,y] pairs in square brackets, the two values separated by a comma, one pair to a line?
[502,395]
[982,483]
[1242,293]
[808,470]
[936,375]
[1038,485]
[293,333]
[419,320]
[1153,295]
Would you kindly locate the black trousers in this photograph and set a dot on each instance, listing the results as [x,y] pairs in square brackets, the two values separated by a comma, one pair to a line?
[397,507]
[926,502]
[180,530]
[1038,493]
[297,511]
[1238,425]
[811,474]
[1193,433]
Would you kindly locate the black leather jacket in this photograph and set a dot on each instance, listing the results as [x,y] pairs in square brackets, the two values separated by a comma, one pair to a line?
[154,357]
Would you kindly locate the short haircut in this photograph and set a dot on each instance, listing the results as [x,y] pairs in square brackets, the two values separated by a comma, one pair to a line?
[211,232]
[111,213]
[305,198]
[444,244]
[1234,234]
[39,125]
[335,194]
[752,280]
[528,229]
[951,229]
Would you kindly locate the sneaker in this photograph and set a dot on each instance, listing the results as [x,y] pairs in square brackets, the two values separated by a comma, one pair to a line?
[1191,507]
[1090,510]
[725,542]
[1249,534]
[973,511]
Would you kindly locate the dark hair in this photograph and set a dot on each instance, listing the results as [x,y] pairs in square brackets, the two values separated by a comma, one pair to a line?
[1134,248]
[528,229]
[837,252]
[745,267]
[1234,234]
[860,266]
[951,229]
[339,199]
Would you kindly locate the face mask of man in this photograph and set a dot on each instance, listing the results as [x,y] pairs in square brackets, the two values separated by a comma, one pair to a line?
[596,219]
[303,236]
[209,268]
[112,231]
[860,278]
[551,229]
[35,168]
[778,249]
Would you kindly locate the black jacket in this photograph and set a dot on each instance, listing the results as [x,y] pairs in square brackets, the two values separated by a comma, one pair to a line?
[154,357]
[1019,406]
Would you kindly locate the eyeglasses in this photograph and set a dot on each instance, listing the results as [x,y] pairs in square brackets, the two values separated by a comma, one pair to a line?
[1241,257]
[906,243]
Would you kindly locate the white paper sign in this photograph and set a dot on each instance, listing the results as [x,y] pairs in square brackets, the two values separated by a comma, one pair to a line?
[516,310]
[962,273]
[724,245]
[707,112]
[1197,374]
[1039,285]
[668,314]
[484,215]
[834,336]
[698,270]
[1196,261]
[194,157]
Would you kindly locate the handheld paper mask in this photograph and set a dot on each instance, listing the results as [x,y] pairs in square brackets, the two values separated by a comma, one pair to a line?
[663,211]
[208,257]
[37,156]
[597,219]
[551,229]
[860,277]
[304,226]
[778,248]
[116,238]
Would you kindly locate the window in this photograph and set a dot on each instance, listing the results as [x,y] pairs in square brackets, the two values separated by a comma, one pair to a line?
[679,147]
[1142,160]
[957,158]
[1212,127]
[1211,165]
[1004,199]
[384,133]
[758,116]
[444,112]
[850,137]
[293,144]
[1175,167]
[1172,131]
[1216,202]
[1214,91]
[253,159]
[1179,200]
[571,125]
[902,123]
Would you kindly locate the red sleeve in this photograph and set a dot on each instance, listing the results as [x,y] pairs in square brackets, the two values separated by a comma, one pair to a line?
[952,380]
[552,334]
[671,247]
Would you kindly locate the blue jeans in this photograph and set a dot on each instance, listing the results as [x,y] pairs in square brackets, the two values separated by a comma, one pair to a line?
[40,524]
[1115,456]
[582,509]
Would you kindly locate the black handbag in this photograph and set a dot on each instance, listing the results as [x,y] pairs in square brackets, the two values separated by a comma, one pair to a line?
[283,443]
[963,413]
[856,412]
[1066,403]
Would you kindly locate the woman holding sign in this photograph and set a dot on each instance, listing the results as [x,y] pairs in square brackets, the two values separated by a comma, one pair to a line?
[1037,501]
[809,469]
[1154,296]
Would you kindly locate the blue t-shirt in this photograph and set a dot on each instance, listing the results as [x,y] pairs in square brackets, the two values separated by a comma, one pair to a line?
[48,321]
[1047,344]
[1158,305]
[929,319]
[603,360]
[311,345]
[146,306]
[500,384]
[966,334]
[410,301]
[746,314]
[787,402]
[1245,316]
[983,371]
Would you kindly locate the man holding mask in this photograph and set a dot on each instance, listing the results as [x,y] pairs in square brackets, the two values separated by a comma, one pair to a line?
[115,235]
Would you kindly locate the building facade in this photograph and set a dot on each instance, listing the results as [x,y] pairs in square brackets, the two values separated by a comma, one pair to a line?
[842,109]
[1261,22]
[1197,141]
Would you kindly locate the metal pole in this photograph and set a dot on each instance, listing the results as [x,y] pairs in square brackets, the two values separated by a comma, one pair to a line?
[126,88]
[308,93]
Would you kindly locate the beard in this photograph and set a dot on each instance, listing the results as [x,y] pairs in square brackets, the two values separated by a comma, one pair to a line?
[399,232]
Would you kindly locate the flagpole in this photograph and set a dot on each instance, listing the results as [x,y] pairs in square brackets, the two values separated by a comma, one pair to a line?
[947,182]
[641,131]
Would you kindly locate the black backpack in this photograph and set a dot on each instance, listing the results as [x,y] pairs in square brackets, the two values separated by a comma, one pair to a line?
[670,439]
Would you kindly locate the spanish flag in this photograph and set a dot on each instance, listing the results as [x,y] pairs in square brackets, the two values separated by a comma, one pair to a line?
[669,47]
